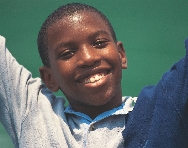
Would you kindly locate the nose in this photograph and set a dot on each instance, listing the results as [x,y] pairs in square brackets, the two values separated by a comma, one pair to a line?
[88,56]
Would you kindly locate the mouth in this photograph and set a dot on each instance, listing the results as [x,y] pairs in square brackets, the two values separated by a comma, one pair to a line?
[93,78]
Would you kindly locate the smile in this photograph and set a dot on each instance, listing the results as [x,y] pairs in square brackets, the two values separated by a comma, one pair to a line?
[94,78]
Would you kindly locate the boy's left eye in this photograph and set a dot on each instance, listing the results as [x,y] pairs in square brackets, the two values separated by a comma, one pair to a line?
[100,43]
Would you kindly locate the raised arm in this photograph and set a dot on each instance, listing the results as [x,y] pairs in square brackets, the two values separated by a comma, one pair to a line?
[16,89]
[160,116]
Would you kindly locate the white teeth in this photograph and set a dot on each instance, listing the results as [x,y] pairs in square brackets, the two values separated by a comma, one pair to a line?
[94,78]
[97,77]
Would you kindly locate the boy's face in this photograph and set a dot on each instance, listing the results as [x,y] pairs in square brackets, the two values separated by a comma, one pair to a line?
[86,64]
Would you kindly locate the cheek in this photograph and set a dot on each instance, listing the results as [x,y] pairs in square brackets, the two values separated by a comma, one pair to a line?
[64,73]
[61,72]
[114,57]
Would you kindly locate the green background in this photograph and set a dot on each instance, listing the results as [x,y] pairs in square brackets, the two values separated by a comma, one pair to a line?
[152,31]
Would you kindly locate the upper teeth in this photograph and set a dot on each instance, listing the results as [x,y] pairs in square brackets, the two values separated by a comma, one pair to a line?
[94,78]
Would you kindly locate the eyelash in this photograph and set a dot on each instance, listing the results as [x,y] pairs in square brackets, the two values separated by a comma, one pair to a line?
[100,43]
[67,54]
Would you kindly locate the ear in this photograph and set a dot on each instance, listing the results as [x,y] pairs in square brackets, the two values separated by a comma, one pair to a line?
[122,55]
[48,79]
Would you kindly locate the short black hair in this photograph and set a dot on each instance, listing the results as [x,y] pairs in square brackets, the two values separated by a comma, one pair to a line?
[58,14]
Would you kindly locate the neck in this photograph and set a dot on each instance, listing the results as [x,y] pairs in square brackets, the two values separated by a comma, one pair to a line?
[94,111]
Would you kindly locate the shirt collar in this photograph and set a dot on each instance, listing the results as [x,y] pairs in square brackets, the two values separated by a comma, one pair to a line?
[126,106]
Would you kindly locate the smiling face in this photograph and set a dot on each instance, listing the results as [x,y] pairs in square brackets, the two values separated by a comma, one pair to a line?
[86,63]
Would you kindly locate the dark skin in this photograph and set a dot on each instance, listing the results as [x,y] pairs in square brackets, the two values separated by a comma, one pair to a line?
[86,63]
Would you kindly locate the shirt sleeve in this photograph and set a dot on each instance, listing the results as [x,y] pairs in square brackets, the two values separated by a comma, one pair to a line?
[17,87]
[160,115]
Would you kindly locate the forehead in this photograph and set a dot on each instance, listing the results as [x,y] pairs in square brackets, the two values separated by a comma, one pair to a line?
[84,17]
[78,21]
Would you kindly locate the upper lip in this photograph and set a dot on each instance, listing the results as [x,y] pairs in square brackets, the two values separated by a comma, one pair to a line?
[90,72]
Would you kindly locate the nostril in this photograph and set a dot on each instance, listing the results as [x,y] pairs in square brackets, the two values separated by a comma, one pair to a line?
[88,60]
[85,64]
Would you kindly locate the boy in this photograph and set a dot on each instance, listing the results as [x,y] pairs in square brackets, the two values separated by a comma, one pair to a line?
[82,58]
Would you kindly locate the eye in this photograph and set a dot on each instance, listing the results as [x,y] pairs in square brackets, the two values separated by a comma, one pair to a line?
[67,54]
[100,43]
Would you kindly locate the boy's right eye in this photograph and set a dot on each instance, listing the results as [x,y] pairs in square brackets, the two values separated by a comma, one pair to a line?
[67,54]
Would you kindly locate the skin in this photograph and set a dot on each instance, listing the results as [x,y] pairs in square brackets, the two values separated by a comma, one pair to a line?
[80,47]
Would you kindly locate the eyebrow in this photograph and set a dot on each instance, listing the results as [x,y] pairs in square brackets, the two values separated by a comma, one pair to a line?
[97,33]
[92,35]
[63,44]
